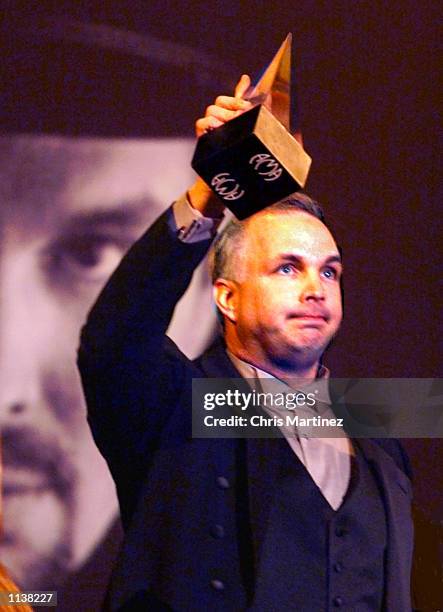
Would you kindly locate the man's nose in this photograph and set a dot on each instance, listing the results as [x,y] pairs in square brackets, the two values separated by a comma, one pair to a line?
[312,288]
[20,340]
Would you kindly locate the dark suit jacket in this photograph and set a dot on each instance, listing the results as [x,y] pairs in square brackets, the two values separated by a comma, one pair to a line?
[193,509]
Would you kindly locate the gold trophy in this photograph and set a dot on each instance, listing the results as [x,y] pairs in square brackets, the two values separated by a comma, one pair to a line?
[253,160]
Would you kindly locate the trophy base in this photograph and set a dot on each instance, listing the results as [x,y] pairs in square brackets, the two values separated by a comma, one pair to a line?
[251,162]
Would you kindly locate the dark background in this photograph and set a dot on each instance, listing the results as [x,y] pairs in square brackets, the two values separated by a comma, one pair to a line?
[367,83]
[368,90]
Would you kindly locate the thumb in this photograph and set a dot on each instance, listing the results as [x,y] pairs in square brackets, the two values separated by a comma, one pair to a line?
[242,86]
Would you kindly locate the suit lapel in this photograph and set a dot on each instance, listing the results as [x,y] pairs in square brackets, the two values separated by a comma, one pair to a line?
[395,488]
[215,362]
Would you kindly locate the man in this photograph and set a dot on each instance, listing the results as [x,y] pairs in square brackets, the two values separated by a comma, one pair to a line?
[70,208]
[233,524]
[72,200]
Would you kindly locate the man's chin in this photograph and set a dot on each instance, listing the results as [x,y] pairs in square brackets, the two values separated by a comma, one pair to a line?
[32,571]
[312,343]
[302,353]
[37,542]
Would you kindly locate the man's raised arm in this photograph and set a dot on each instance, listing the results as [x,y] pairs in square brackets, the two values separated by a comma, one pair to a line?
[142,293]
[130,371]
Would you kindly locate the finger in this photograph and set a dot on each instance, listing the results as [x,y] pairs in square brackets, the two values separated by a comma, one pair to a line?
[242,85]
[220,113]
[231,103]
[205,124]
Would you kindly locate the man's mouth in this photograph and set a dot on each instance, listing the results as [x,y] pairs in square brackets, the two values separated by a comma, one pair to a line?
[314,318]
[34,463]
[21,481]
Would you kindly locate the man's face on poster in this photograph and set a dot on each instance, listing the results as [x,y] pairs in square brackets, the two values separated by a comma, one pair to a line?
[69,210]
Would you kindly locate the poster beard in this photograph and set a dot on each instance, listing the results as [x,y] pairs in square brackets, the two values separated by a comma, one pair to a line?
[38,475]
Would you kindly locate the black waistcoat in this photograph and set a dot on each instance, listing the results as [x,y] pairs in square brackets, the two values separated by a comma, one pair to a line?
[314,558]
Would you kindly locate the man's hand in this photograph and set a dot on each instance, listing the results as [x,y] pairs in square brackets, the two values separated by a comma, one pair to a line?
[224,109]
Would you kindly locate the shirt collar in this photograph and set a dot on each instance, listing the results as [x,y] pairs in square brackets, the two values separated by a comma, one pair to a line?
[249,371]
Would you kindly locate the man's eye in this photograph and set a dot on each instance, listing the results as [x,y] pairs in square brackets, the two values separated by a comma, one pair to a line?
[286,269]
[330,273]
[90,258]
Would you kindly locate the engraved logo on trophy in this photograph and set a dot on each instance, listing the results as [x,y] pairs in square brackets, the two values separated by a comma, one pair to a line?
[226,187]
[266,166]
[253,160]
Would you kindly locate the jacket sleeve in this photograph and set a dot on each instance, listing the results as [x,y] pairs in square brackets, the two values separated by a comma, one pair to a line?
[132,374]
[396,450]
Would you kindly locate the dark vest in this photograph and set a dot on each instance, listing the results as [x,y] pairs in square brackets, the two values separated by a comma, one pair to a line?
[317,558]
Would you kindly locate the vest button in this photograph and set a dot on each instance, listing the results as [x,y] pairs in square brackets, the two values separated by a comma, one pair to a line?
[222,482]
[218,585]
[217,531]
[337,601]
[338,567]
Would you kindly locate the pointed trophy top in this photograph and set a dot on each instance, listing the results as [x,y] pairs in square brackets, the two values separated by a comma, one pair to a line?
[273,86]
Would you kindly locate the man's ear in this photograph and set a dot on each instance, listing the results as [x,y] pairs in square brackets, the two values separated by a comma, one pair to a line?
[225,297]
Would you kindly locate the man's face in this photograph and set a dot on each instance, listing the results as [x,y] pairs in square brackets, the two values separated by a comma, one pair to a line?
[69,210]
[287,305]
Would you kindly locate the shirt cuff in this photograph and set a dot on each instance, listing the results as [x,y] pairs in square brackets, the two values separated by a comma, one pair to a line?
[190,224]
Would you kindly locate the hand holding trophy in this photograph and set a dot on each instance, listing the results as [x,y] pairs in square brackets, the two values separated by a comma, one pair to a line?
[246,154]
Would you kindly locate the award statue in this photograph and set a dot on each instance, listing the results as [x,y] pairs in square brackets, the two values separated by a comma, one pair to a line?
[253,161]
